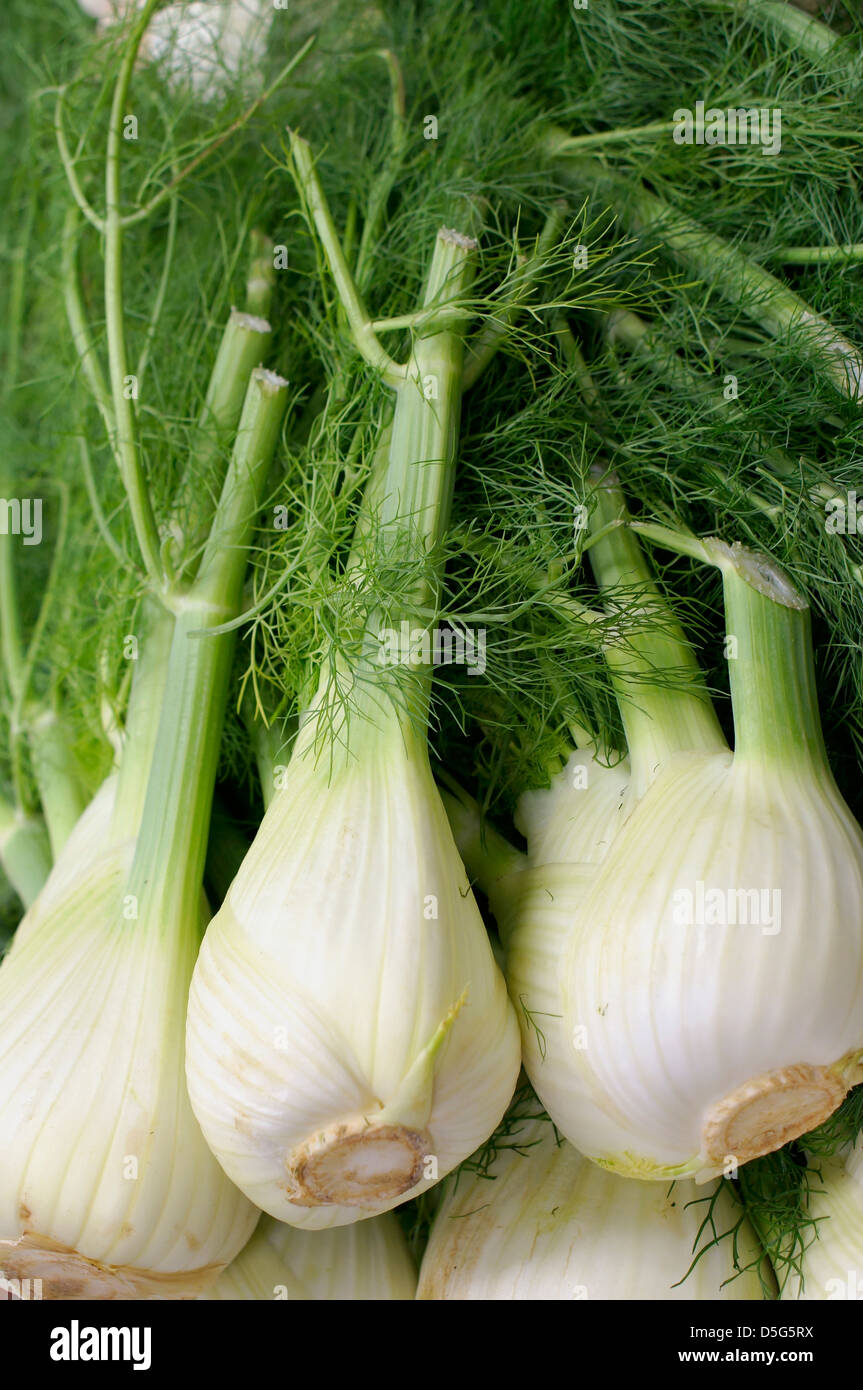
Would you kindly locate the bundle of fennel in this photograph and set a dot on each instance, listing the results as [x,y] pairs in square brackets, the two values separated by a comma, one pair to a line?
[408,634]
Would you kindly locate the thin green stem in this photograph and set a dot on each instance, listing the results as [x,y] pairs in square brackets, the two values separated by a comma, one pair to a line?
[495,331]
[54,767]
[161,293]
[127,444]
[79,328]
[96,506]
[68,163]
[17,282]
[819,255]
[574,358]
[382,184]
[571,144]
[142,213]
[359,320]
[678,541]
[821,44]
[11,643]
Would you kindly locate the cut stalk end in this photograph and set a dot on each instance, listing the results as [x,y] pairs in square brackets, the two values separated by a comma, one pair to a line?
[769,1111]
[357,1164]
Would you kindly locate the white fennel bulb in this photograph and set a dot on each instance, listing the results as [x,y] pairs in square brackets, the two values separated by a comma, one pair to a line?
[831,1266]
[685,944]
[209,46]
[350,1039]
[107,10]
[367,1262]
[107,1187]
[544,1223]
[140,1207]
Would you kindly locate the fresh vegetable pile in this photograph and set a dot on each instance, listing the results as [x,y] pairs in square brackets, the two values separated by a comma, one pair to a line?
[430,604]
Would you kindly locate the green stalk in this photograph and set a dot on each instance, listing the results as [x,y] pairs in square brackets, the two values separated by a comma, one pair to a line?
[405,512]
[575,144]
[772,673]
[821,45]
[575,360]
[741,281]
[415,487]
[242,348]
[153,634]
[359,320]
[382,185]
[271,745]
[17,284]
[37,720]
[261,278]
[771,668]
[170,850]
[767,301]
[14,664]
[818,255]
[660,691]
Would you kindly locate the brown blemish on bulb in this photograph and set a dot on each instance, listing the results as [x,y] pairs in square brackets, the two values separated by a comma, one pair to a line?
[68,1275]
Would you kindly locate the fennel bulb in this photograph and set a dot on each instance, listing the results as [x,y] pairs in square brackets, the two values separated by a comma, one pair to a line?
[545,1223]
[363,1263]
[831,1266]
[349,1034]
[209,46]
[107,1187]
[685,942]
[205,45]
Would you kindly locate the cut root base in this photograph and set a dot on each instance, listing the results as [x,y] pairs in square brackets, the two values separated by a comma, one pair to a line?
[356,1164]
[769,1111]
